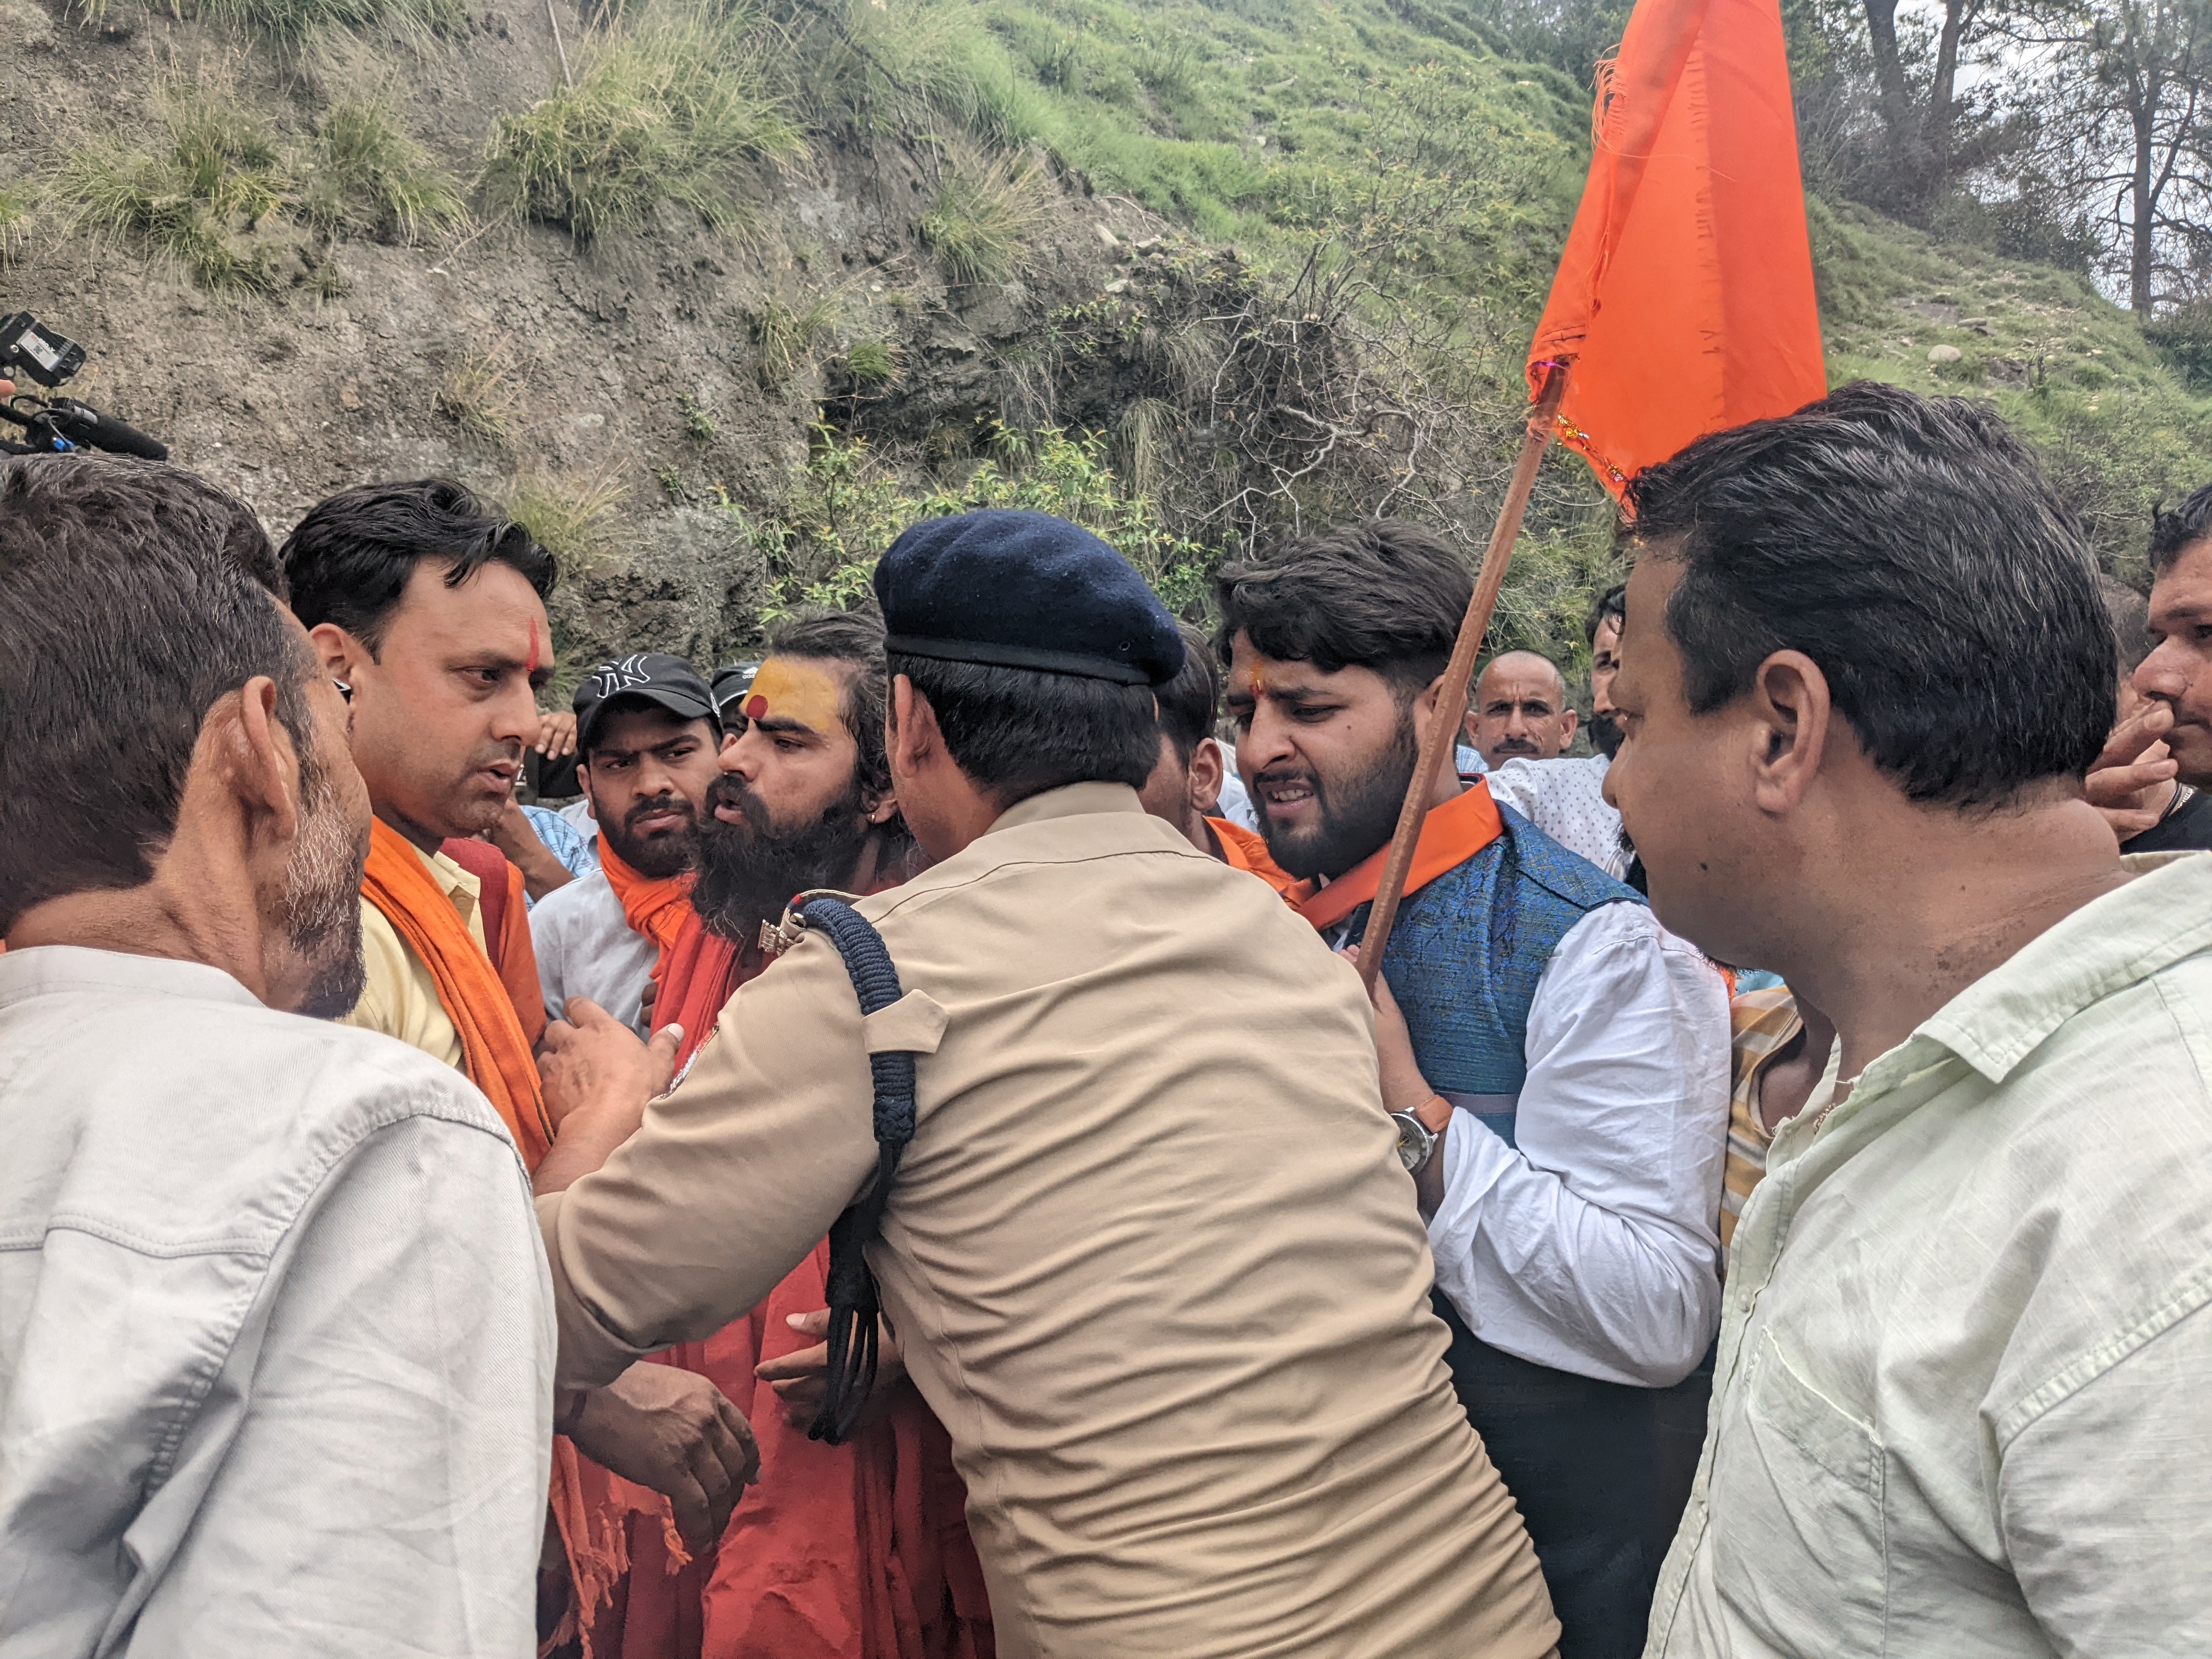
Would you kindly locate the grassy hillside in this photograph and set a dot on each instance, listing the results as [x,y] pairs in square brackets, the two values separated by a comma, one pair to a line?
[799,269]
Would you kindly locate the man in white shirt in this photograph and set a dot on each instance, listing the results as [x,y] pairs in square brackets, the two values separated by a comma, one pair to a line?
[1565,799]
[275,1342]
[647,736]
[1960,1409]
[1565,1103]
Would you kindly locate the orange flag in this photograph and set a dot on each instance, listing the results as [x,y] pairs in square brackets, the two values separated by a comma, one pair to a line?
[1684,302]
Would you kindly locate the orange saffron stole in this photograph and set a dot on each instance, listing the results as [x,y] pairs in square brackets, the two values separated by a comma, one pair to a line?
[505,913]
[497,1053]
[1451,834]
[1247,850]
[656,908]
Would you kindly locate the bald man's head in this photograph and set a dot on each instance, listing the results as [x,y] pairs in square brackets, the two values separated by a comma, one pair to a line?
[1521,710]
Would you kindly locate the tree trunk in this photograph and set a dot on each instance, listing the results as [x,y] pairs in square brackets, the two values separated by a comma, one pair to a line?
[1889,68]
[2142,205]
[1942,95]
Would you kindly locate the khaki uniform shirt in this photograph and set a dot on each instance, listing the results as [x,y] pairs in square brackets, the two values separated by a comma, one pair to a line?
[1150,1255]
[400,998]
[1961,1408]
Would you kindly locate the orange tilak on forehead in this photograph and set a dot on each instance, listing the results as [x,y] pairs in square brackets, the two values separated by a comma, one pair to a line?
[786,690]
[535,657]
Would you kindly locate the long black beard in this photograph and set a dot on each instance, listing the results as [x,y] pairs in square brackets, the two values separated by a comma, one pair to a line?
[1604,735]
[748,872]
[1356,817]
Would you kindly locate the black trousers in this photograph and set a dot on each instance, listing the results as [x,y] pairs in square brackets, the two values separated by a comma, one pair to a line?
[1582,1458]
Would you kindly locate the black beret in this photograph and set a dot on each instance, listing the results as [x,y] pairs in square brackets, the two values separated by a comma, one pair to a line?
[1024,590]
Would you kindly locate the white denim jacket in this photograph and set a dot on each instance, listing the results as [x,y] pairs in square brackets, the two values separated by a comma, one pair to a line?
[275,1342]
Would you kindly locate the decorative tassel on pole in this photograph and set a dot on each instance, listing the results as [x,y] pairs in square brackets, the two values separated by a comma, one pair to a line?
[1437,736]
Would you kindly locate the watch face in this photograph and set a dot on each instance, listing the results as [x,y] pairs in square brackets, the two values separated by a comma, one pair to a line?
[1414,1141]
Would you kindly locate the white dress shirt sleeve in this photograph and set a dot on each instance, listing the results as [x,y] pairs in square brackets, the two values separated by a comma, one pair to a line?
[1591,1247]
[383,1493]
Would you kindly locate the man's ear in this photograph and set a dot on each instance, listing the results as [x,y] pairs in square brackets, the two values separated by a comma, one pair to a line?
[1425,706]
[255,757]
[884,808]
[1207,767]
[910,733]
[339,651]
[1570,723]
[1788,730]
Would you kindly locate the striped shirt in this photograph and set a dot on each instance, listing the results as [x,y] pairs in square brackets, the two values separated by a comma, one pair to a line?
[1760,1026]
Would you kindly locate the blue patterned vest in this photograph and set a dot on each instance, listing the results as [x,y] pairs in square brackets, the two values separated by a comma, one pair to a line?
[1580,1457]
[1466,952]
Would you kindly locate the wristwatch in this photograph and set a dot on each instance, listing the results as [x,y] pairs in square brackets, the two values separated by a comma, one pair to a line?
[1419,1131]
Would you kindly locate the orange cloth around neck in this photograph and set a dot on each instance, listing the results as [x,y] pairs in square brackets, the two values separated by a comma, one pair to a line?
[505,912]
[1247,850]
[656,908]
[476,998]
[1451,834]
[593,1508]
[697,975]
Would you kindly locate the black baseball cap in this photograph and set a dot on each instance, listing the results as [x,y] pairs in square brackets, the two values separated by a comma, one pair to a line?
[651,677]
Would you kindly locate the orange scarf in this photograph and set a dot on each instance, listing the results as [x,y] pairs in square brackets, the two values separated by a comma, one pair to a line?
[654,909]
[1450,835]
[493,1048]
[505,913]
[1247,850]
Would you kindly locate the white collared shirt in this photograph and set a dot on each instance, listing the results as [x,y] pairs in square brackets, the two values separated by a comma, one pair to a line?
[1961,1407]
[1565,799]
[1591,1246]
[276,1331]
[585,947]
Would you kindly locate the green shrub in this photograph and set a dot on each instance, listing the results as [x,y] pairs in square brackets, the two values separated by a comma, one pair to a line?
[786,334]
[295,20]
[988,214]
[845,509]
[664,109]
[874,362]
[199,192]
[14,225]
[478,392]
[571,518]
[366,173]
[698,425]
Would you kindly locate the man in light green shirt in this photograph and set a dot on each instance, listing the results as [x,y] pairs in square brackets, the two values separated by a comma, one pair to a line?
[1961,1405]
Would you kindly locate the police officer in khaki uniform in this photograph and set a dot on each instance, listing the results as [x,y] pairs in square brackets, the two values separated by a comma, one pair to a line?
[1149,1256]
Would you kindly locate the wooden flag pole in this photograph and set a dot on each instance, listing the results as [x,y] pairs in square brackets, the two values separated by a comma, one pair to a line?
[1436,740]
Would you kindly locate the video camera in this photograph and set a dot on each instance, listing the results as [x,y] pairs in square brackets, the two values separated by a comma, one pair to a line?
[58,425]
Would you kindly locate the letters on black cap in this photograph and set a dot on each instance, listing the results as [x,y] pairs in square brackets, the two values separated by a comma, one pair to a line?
[1024,590]
[651,676]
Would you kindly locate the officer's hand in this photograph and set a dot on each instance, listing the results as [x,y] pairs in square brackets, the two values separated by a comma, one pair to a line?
[598,1078]
[674,1432]
[801,1380]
